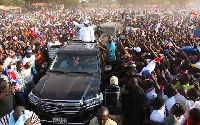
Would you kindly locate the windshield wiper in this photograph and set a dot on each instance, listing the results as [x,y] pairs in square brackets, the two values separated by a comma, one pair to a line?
[57,71]
[87,73]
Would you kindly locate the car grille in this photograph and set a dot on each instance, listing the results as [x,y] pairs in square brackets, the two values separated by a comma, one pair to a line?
[59,107]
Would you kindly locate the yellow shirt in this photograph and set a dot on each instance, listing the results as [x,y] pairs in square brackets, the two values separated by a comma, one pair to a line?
[94,121]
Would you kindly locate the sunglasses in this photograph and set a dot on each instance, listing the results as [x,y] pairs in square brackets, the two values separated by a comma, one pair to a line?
[177,104]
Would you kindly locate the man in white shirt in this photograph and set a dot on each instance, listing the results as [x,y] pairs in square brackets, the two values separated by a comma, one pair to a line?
[86,31]
[190,103]
[53,47]
[158,114]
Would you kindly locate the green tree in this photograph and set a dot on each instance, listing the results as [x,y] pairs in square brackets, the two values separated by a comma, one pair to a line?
[93,1]
[71,3]
[12,2]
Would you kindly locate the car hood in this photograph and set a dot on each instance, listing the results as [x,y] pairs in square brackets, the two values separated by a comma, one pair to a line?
[56,86]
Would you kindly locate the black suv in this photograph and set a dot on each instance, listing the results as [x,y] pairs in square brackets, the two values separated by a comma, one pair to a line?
[70,93]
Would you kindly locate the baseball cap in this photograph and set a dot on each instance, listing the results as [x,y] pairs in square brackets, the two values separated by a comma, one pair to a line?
[196,65]
[86,21]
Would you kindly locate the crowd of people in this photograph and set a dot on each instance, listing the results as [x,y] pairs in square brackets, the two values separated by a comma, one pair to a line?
[159,83]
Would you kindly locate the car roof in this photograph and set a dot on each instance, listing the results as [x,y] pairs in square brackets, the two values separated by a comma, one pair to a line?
[79,47]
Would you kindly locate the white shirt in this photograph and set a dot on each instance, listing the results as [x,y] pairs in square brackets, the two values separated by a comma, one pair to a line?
[169,103]
[174,77]
[31,60]
[7,62]
[52,51]
[87,34]
[181,120]
[17,59]
[151,95]
[158,115]
[28,75]
[189,104]
[52,44]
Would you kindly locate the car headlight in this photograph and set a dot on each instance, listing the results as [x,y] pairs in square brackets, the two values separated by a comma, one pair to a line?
[33,98]
[95,100]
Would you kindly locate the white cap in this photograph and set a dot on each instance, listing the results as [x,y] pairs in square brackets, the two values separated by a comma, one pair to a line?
[15,38]
[137,49]
[113,80]
[86,21]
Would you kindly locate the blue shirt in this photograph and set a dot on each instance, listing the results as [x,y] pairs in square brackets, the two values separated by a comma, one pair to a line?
[110,56]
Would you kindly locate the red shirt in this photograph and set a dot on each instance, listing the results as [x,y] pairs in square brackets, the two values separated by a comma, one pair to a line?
[189,123]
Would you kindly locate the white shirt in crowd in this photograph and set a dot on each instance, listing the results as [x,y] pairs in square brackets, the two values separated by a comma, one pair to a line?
[52,51]
[28,75]
[31,60]
[181,120]
[7,62]
[158,115]
[169,103]
[151,95]
[189,104]
[86,33]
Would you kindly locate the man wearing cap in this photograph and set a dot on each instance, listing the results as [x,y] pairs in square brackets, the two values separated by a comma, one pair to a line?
[196,70]
[86,31]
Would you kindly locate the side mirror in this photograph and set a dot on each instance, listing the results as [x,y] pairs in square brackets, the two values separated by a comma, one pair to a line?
[107,68]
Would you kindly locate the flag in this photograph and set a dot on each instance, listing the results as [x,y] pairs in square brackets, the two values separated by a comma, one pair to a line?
[193,14]
[15,82]
[33,33]
[151,66]
[156,10]
[167,47]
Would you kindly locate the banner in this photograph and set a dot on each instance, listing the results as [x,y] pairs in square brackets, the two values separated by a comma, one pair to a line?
[197,33]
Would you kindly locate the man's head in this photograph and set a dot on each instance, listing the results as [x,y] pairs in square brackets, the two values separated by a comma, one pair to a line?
[171,120]
[173,69]
[165,64]
[194,115]
[102,115]
[169,90]
[18,112]
[114,81]
[3,85]
[185,65]
[110,38]
[86,23]
[158,102]
[98,27]
[130,70]
[28,53]
[133,82]
[193,94]
[53,39]
[147,84]
[183,91]
[184,79]
[178,109]
[20,65]
[139,66]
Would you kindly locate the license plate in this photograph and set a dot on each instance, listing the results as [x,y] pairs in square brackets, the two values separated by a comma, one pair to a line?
[60,120]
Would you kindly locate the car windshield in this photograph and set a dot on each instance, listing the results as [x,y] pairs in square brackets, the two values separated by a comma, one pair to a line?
[87,64]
